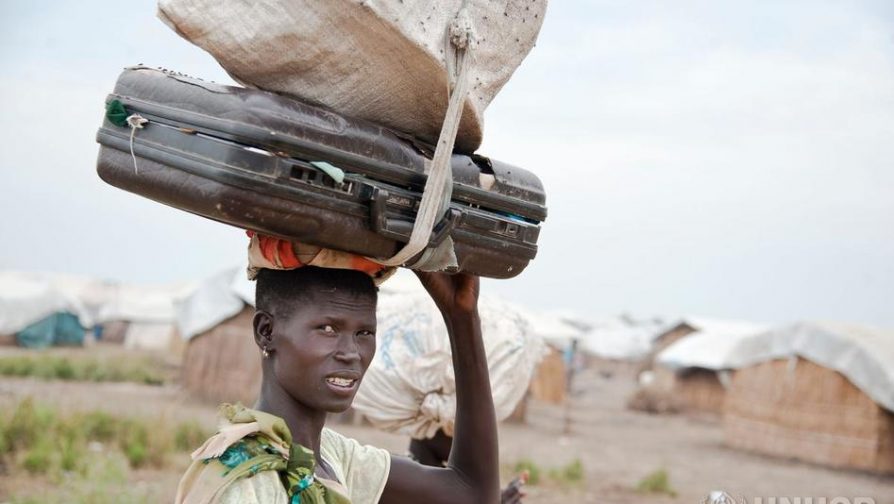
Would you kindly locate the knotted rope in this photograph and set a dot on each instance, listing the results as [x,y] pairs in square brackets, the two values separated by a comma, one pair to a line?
[439,186]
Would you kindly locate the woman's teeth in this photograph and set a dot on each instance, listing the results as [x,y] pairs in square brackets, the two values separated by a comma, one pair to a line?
[341,382]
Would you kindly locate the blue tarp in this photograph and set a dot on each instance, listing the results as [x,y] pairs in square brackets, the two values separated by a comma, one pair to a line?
[61,328]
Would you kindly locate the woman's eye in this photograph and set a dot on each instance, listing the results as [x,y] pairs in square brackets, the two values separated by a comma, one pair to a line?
[328,329]
[367,334]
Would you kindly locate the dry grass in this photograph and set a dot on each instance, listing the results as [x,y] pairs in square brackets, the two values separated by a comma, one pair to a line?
[83,448]
[82,367]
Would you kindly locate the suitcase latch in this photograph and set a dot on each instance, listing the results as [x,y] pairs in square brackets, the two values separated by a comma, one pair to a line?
[401,229]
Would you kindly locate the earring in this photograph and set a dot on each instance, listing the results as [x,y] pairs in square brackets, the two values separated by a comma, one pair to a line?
[265,352]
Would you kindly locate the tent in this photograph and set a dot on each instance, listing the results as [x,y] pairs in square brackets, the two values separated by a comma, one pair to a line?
[818,392]
[59,328]
[145,314]
[617,339]
[34,312]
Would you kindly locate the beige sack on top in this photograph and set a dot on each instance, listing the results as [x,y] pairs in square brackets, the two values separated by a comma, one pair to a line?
[381,60]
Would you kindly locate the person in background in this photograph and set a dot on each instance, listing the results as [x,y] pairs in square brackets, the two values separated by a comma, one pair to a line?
[571,358]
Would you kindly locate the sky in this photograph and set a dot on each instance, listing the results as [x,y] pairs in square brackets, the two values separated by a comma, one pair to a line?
[723,159]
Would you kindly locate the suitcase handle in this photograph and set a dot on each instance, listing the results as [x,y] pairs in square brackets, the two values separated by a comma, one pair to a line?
[400,229]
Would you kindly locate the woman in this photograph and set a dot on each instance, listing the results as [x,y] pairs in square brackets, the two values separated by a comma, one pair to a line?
[315,328]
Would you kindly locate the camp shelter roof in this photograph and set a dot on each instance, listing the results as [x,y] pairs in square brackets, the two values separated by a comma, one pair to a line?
[214,300]
[864,355]
[620,338]
[26,298]
[708,349]
[731,327]
[144,303]
[555,328]
[90,291]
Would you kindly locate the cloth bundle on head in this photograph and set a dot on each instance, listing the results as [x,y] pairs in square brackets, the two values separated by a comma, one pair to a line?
[278,254]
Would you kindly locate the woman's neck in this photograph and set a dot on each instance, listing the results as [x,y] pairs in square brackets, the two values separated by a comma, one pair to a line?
[304,423]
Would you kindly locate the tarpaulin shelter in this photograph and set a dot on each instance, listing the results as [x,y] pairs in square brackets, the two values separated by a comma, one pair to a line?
[57,329]
[145,314]
[30,303]
[818,392]
[697,369]
[685,326]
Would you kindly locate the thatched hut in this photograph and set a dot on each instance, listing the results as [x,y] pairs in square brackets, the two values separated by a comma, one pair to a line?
[550,381]
[220,359]
[114,331]
[820,393]
[696,369]
[223,363]
[673,333]
[700,390]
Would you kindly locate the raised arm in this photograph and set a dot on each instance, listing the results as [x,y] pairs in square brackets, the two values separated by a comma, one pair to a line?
[472,472]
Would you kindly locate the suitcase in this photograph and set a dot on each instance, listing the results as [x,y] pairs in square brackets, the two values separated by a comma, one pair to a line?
[265,162]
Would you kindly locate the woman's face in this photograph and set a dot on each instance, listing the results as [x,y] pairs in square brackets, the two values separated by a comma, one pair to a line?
[323,348]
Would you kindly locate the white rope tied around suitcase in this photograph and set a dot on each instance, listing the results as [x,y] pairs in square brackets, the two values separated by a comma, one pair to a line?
[439,186]
[135,121]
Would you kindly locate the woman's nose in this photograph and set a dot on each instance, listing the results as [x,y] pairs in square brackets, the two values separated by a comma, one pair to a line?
[347,350]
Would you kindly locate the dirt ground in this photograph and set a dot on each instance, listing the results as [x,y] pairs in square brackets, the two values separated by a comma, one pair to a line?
[617,447]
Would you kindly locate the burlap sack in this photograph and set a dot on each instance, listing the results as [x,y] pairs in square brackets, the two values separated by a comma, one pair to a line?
[381,60]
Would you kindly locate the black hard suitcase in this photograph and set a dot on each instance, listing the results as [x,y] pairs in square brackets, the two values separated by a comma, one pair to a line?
[250,158]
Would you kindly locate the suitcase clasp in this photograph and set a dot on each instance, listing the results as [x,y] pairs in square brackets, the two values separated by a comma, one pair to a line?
[401,229]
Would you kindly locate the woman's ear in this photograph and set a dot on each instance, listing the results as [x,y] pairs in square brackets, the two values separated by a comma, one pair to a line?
[263,329]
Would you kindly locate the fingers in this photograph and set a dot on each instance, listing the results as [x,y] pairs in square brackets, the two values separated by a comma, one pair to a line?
[514,491]
[451,292]
[512,495]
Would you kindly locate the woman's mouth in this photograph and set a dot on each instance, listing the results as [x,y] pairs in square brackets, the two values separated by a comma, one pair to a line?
[341,382]
[342,385]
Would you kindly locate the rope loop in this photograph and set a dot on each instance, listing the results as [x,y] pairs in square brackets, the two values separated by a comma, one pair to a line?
[135,121]
[438,191]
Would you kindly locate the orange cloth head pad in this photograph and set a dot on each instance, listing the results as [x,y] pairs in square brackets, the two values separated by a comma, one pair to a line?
[275,253]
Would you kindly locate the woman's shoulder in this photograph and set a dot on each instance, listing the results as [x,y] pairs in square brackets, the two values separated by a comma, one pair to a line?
[242,459]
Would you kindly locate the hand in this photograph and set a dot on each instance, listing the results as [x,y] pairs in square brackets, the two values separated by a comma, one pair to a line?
[454,294]
[514,491]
